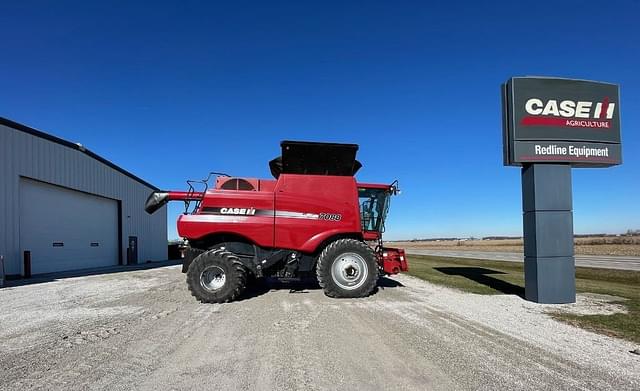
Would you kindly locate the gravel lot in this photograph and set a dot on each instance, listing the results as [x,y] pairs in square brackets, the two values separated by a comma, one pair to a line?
[142,330]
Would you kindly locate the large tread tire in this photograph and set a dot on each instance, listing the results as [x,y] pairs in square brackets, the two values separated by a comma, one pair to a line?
[333,253]
[235,276]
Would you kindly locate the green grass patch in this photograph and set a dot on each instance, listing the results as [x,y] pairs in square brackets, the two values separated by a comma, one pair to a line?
[496,277]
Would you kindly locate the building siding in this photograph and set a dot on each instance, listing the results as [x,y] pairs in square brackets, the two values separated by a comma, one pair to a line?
[26,155]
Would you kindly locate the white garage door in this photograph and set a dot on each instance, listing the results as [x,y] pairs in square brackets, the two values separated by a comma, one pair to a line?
[66,229]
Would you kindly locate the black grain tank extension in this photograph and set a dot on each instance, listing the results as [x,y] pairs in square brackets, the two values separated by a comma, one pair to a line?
[302,157]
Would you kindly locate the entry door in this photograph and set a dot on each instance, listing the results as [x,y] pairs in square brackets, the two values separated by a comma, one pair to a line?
[132,250]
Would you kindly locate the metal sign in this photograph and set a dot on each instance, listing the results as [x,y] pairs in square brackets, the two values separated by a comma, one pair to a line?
[552,120]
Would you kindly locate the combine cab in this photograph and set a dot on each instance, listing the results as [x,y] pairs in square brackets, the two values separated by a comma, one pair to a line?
[313,219]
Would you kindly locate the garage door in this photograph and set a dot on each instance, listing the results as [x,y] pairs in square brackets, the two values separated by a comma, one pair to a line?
[66,229]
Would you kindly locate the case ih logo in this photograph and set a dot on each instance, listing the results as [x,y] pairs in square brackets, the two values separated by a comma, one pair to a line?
[569,113]
[238,211]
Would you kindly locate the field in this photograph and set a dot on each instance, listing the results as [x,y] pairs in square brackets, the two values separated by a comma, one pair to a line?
[494,277]
[599,245]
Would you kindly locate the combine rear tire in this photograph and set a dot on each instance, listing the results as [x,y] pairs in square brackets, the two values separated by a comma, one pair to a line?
[347,268]
[216,276]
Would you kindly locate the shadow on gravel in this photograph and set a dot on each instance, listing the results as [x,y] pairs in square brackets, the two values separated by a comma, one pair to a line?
[384,282]
[481,276]
[261,286]
[299,286]
[49,277]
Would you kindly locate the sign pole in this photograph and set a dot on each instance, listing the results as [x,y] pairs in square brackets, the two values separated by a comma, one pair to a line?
[549,264]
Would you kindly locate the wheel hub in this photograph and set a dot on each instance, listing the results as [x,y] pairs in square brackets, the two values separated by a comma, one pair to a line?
[349,271]
[212,278]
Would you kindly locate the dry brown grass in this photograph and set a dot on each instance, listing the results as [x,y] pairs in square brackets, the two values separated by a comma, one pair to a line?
[601,245]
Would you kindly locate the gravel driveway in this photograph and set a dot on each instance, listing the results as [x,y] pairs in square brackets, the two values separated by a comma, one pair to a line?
[142,330]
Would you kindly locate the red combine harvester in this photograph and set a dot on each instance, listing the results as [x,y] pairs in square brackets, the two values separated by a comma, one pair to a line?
[313,220]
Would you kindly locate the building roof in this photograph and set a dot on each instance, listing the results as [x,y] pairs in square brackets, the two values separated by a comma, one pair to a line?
[68,144]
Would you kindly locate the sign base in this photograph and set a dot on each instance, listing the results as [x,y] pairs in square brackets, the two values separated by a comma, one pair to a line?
[549,264]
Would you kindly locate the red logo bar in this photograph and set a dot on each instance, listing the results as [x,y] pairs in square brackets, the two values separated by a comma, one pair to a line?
[565,122]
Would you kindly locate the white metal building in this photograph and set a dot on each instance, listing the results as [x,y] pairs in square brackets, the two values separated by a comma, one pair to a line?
[70,208]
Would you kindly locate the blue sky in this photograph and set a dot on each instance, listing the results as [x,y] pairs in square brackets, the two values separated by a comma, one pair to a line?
[170,91]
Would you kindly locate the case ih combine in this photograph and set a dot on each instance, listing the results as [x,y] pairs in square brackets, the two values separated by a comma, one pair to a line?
[313,219]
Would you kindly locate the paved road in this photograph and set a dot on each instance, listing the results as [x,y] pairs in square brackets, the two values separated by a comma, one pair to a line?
[142,330]
[607,262]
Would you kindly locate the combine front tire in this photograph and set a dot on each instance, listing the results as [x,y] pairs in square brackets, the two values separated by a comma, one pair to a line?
[216,276]
[347,268]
